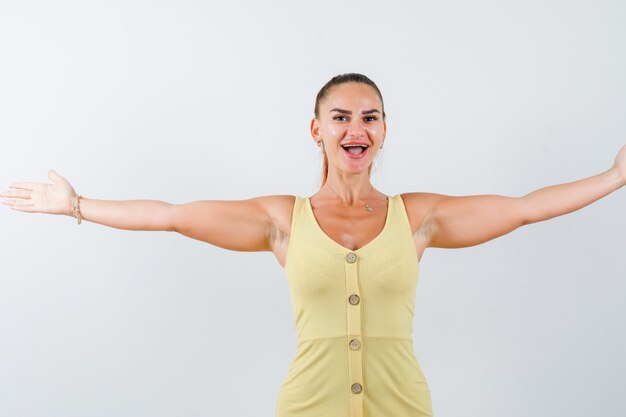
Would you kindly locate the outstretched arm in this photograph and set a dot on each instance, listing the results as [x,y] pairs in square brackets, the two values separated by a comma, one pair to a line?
[59,198]
[241,225]
[461,221]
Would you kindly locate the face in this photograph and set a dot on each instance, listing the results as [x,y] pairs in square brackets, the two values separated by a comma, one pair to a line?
[352,112]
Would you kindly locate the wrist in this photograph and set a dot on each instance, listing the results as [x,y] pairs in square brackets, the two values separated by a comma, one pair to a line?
[70,206]
[74,211]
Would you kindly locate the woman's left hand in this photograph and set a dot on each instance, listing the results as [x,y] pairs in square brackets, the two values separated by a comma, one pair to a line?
[620,164]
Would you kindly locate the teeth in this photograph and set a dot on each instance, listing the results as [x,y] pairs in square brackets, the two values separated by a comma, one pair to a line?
[350,145]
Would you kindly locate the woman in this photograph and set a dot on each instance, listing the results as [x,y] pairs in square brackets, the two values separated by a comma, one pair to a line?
[350,252]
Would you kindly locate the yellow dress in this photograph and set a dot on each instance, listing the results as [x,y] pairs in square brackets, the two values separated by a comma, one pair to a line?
[353,312]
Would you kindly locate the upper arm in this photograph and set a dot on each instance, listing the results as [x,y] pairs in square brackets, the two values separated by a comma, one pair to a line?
[462,221]
[240,225]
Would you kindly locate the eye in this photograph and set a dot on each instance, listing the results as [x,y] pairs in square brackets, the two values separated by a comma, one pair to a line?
[372,118]
[336,117]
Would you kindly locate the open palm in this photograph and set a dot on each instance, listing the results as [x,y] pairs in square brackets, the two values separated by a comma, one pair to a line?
[55,198]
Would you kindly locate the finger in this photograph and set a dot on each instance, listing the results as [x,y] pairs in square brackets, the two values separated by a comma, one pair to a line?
[16,194]
[27,209]
[52,174]
[30,186]
[15,205]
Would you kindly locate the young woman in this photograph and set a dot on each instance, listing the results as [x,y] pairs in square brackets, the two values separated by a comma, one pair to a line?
[350,252]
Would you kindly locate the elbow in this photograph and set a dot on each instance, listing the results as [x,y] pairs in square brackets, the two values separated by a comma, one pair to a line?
[530,213]
[526,212]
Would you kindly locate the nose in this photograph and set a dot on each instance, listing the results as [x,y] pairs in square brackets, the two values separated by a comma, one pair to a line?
[355,129]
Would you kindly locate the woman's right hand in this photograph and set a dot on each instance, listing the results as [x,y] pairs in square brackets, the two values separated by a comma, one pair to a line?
[32,197]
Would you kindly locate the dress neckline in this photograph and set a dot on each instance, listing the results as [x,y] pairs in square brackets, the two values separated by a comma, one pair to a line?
[343,248]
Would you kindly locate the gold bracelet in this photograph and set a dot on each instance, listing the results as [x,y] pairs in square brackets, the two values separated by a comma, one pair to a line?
[76,208]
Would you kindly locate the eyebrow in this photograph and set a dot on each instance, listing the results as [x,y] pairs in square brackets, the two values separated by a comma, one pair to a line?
[349,112]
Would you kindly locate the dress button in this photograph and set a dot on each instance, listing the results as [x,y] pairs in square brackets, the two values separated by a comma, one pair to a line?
[355,344]
[356,388]
[354,299]
[351,258]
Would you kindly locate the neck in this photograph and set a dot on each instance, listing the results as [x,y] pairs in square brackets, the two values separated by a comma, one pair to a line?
[350,189]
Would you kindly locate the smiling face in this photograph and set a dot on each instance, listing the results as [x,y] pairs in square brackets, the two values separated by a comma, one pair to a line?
[352,112]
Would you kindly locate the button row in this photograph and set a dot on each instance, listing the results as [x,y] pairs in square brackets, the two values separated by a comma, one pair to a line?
[354,344]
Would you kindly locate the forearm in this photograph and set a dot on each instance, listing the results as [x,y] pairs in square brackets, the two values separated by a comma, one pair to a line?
[548,202]
[128,214]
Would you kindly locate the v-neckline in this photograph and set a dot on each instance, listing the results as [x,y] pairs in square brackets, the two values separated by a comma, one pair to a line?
[367,245]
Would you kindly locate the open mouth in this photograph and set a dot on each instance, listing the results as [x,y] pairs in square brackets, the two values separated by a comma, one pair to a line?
[355,151]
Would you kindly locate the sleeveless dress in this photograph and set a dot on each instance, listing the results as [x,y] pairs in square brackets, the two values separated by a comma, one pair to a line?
[353,312]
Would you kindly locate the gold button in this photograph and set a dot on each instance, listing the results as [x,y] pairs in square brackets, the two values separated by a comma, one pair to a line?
[356,388]
[355,344]
[354,299]
[351,258]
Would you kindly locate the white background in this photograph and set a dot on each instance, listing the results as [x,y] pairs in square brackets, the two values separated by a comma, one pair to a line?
[187,100]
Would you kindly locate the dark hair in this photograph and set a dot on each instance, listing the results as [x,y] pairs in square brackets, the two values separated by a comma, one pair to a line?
[325,90]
